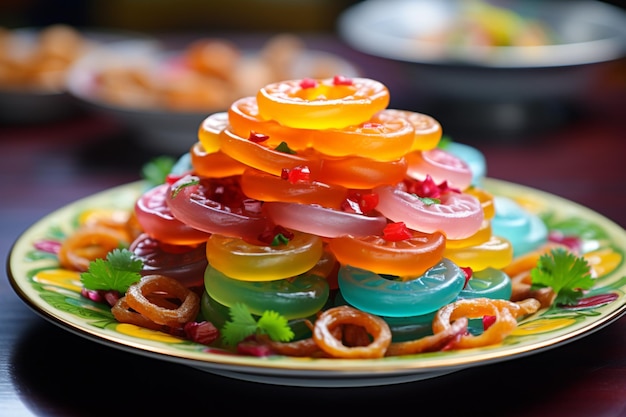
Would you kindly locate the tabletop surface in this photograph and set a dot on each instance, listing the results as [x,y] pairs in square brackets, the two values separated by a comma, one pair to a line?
[48,371]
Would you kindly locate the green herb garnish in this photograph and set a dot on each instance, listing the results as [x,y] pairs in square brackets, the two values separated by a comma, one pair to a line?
[284,148]
[567,274]
[243,324]
[119,271]
[156,170]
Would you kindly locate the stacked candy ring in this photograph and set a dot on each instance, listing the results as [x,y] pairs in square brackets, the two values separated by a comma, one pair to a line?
[384,137]
[295,297]
[441,166]
[361,173]
[195,202]
[409,257]
[331,103]
[264,158]
[322,221]
[421,294]
[209,131]
[215,165]
[497,253]
[457,215]
[156,219]
[427,130]
[267,187]
[525,231]
[243,116]
[245,261]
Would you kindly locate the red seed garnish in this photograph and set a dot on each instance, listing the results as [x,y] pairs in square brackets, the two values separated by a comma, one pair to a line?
[395,232]
[257,137]
[341,80]
[308,83]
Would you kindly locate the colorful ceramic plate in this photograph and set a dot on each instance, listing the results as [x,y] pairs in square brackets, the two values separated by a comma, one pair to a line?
[55,295]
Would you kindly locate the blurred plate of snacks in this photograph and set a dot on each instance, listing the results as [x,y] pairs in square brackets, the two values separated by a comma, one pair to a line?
[163,94]
[34,63]
[483,52]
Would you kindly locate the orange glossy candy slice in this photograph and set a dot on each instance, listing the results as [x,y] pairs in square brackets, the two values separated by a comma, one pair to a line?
[329,103]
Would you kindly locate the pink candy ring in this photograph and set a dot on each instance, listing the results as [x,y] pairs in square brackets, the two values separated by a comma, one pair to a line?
[441,166]
[324,222]
[458,216]
[195,202]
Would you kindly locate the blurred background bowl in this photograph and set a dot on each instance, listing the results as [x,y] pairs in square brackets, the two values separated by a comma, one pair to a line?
[473,83]
[161,93]
[34,63]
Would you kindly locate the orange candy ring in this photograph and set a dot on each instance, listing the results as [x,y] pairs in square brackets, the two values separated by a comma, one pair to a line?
[404,258]
[383,137]
[209,131]
[329,103]
[138,298]
[267,187]
[244,117]
[263,157]
[428,131]
[214,165]
[361,173]
[334,317]
[88,244]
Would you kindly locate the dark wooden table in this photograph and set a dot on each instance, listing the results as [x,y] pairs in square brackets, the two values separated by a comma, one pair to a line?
[48,371]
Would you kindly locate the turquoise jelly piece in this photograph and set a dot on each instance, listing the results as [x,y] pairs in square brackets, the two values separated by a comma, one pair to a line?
[374,294]
[402,328]
[295,297]
[488,283]
[525,231]
[474,158]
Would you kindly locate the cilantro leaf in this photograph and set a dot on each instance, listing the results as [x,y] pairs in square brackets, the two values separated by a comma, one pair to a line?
[567,274]
[276,326]
[241,325]
[244,324]
[156,170]
[119,271]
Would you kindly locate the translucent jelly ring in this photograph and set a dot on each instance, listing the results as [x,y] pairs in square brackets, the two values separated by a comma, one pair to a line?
[488,283]
[428,131]
[383,137]
[264,158]
[215,165]
[375,294]
[295,297]
[209,131]
[243,116]
[441,166]
[267,187]
[410,257]
[323,104]
[192,205]
[156,219]
[456,215]
[245,261]
[322,221]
